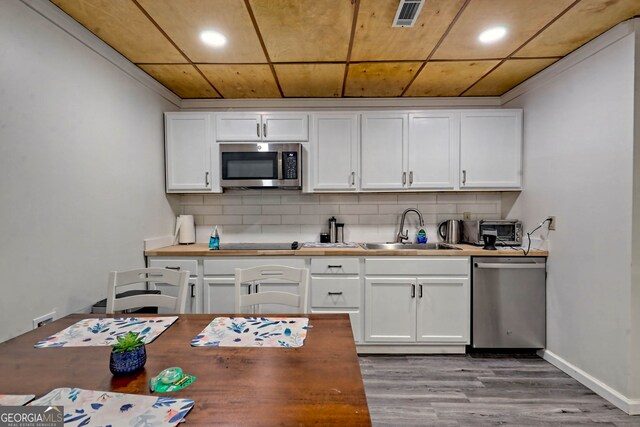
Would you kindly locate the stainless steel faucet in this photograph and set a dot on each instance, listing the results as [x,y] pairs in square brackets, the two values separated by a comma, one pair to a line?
[404,236]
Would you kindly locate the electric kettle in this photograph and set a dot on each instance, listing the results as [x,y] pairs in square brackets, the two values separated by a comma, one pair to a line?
[450,231]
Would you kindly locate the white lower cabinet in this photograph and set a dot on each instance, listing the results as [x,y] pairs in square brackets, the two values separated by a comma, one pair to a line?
[396,304]
[430,305]
[336,287]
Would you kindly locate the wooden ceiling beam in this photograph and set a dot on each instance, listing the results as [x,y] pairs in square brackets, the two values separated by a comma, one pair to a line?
[153,21]
[354,22]
[567,9]
[264,46]
[435,48]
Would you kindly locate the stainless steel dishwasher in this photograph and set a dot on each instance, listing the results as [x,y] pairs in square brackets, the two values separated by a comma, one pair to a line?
[509,302]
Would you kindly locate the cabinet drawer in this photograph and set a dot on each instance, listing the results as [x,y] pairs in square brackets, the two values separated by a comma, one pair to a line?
[440,266]
[190,265]
[227,267]
[326,265]
[330,292]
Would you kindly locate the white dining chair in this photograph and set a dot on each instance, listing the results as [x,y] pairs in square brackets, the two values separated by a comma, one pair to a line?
[118,279]
[265,273]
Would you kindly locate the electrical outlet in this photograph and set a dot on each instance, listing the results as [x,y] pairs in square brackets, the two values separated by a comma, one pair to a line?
[44,319]
[466,216]
[552,223]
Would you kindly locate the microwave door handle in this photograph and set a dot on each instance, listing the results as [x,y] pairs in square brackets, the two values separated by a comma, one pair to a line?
[280,154]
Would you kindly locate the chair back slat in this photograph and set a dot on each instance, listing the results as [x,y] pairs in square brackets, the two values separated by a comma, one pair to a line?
[148,276]
[267,274]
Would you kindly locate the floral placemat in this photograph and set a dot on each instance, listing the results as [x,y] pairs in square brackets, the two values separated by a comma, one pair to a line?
[103,331]
[15,399]
[253,332]
[100,408]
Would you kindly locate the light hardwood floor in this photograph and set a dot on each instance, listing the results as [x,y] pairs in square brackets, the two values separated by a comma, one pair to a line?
[480,391]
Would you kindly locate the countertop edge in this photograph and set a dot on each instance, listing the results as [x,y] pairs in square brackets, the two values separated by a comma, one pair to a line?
[202,250]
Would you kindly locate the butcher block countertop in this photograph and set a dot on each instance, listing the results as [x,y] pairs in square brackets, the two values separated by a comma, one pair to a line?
[202,249]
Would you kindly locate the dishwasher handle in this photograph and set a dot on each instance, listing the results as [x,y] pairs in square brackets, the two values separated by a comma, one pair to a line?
[519,266]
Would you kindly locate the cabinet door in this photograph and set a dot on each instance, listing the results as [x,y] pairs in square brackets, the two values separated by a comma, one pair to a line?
[491,149]
[238,127]
[188,142]
[390,310]
[219,295]
[335,152]
[275,286]
[285,127]
[432,156]
[193,296]
[443,310]
[384,137]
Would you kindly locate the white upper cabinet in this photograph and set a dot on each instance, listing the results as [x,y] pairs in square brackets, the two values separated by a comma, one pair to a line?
[249,127]
[334,152]
[491,149]
[384,136]
[432,155]
[188,144]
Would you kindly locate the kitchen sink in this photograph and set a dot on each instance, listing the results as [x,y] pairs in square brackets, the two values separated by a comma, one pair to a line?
[412,246]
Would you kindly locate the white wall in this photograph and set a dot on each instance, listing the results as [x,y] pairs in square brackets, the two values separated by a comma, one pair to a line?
[578,166]
[634,350]
[81,170]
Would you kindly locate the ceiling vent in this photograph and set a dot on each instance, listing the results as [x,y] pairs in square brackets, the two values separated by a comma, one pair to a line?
[407,13]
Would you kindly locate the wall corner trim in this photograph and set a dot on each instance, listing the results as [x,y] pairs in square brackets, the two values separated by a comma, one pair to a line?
[57,17]
[631,407]
[604,40]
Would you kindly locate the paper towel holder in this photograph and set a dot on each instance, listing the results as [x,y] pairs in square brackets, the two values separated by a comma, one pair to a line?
[185,230]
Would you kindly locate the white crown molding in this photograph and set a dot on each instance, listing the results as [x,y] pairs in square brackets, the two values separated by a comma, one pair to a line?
[604,40]
[339,103]
[630,406]
[67,24]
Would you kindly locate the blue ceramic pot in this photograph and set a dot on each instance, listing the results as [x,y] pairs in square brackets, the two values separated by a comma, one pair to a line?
[127,362]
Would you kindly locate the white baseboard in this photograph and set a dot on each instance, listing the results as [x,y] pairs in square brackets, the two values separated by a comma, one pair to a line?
[631,407]
[410,349]
[158,242]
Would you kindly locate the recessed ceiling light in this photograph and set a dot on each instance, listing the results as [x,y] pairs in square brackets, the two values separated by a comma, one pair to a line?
[213,38]
[492,34]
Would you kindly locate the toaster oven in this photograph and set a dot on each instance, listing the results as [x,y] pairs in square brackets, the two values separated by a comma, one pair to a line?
[509,231]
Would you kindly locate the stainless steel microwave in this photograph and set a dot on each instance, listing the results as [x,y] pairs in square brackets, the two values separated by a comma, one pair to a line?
[261,165]
[509,231]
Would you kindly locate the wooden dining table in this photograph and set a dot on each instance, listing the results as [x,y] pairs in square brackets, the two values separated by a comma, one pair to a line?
[316,384]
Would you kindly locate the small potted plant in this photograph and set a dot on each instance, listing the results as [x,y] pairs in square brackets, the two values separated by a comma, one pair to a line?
[128,354]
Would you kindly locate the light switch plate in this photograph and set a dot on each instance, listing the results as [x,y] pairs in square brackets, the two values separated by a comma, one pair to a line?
[466,216]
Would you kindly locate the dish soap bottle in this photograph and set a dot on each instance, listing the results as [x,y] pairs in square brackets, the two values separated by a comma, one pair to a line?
[421,235]
[214,240]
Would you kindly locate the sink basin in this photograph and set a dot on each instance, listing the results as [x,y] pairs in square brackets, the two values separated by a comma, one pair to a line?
[412,246]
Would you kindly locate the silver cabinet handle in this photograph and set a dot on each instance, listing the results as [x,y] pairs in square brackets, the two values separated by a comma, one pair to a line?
[508,266]
[420,294]
[264,130]
[413,291]
[334,266]
[258,129]
[353,178]
[464,177]
[334,293]
[404,178]
[172,268]
[193,287]
[206,179]
[410,177]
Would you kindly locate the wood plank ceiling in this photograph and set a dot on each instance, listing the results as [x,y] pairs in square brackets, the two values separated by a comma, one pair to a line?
[344,48]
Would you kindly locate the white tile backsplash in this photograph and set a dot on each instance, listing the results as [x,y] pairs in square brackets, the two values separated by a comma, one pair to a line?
[282,216]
